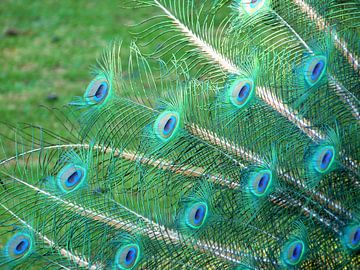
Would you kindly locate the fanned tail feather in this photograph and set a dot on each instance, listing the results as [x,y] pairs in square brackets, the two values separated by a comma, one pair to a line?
[241,151]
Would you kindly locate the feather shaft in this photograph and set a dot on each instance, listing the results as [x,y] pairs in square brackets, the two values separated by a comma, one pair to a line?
[65,253]
[213,138]
[293,31]
[152,229]
[346,96]
[206,48]
[353,59]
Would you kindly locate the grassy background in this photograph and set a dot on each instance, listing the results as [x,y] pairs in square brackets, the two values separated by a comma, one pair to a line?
[47,48]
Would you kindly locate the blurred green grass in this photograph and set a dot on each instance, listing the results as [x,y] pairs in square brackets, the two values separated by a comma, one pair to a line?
[47,48]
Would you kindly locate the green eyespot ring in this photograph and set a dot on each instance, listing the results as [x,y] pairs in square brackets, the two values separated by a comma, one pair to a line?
[352,237]
[260,182]
[324,159]
[294,252]
[196,215]
[19,246]
[166,125]
[71,177]
[127,257]
[315,69]
[241,92]
[98,90]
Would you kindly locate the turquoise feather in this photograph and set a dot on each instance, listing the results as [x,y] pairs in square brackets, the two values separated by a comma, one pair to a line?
[226,156]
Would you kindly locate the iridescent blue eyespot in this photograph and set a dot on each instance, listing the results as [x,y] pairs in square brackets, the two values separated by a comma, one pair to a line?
[315,69]
[252,6]
[127,257]
[260,182]
[22,246]
[71,177]
[324,159]
[352,237]
[316,72]
[244,93]
[98,90]
[355,239]
[294,252]
[101,91]
[170,125]
[19,246]
[166,125]
[196,215]
[241,92]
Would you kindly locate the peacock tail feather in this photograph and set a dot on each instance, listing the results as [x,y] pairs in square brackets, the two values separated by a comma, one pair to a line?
[233,144]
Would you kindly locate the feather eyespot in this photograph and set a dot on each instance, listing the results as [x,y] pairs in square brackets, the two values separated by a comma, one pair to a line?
[294,252]
[196,215]
[241,92]
[98,90]
[261,182]
[166,125]
[71,177]
[324,159]
[127,257]
[19,246]
[315,69]
[352,237]
[252,6]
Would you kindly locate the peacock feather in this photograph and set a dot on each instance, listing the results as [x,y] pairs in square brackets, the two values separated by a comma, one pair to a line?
[229,139]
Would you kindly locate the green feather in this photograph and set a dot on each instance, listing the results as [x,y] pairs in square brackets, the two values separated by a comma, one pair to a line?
[223,155]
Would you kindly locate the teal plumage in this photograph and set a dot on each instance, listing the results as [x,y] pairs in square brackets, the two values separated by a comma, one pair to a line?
[238,149]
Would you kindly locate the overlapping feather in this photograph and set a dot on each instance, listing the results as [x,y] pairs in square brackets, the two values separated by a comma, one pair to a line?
[208,162]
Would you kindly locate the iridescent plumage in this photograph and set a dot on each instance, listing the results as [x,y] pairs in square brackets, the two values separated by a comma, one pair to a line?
[237,150]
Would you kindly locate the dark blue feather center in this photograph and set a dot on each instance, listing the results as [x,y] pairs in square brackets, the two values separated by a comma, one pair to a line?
[244,93]
[199,215]
[21,247]
[356,238]
[131,256]
[296,252]
[101,92]
[326,159]
[170,125]
[317,71]
[263,183]
[73,179]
